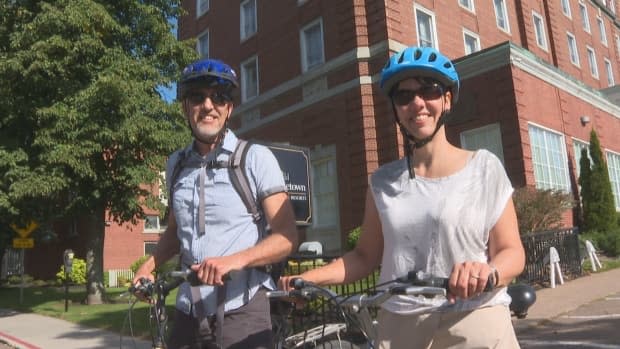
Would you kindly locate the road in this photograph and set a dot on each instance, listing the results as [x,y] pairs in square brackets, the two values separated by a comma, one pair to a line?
[595,325]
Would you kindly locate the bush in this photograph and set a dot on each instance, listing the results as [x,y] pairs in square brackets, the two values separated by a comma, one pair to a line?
[78,272]
[353,237]
[172,264]
[540,210]
[606,242]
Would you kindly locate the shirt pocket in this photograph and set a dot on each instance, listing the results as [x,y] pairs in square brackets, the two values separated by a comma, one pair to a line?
[183,201]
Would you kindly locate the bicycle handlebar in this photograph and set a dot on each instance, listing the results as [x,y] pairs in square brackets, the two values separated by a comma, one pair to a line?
[148,287]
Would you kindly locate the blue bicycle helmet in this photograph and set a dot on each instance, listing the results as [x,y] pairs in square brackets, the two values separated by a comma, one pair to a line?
[211,72]
[420,62]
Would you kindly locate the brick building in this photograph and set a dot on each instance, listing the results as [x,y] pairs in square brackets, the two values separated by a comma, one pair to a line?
[537,76]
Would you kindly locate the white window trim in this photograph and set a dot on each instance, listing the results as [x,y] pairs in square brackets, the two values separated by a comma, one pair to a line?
[577,141]
[593,64]
[615,188]
[200,14]
[543,33]
[243,35]
[431,14]
[609,72]
[569,14]
[505,11]
[471,8]
[198,47]
[563,151]
[601,30]
[494,127]
[302,41]
[244,97]
[473,35]
[571,47]
[584,17]
[155,230]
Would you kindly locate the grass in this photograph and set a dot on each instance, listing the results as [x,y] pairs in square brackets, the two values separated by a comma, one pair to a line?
[112,316]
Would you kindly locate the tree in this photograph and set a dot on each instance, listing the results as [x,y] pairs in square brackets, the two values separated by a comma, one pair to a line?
[599,212]
[540,209]
[83,128]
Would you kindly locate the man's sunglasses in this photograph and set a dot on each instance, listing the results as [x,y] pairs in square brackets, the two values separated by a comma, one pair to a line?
[426,92]
[217,97]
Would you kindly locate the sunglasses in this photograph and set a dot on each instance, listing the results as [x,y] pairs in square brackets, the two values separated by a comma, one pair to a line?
[426,92]
[217,97]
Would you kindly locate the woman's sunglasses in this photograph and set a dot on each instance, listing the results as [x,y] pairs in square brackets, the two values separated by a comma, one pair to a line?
[426,92]
[217,98]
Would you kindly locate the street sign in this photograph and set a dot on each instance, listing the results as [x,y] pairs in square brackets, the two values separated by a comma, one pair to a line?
[23,232]
[295,164]
[23,243]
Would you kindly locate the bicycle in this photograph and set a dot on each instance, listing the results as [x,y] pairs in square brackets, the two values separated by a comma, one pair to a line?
[157,291]
[355,311]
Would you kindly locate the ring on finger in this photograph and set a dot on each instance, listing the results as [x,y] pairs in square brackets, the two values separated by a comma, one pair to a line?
[474,276]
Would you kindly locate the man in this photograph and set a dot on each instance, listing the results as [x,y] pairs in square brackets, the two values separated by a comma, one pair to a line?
[211,228]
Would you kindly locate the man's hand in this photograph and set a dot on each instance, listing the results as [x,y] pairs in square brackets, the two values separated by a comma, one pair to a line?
[215,270]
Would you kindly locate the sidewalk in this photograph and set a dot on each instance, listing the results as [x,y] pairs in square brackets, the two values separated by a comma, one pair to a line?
[31,331]
[553,302]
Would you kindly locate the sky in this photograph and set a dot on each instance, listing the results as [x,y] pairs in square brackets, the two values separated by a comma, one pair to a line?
[169,93]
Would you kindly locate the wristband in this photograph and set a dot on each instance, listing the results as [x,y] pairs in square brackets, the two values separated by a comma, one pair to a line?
[494,274]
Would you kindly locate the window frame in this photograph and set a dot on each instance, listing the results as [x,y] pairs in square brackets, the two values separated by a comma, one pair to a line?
[613,168]
[199,45]
[490,132]
[504,8]
[469,6]
[432,21]
[609,72]
[601,30]
[303,41]
[475,36]
[572,49]
[244,78]
[200,13]
[585,18]
[591,54]
[565,5]
[243,35]
[540,32]
[324,155]
[543,165]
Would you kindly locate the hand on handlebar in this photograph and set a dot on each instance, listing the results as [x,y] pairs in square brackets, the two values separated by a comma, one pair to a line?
[469,279]
[216,270]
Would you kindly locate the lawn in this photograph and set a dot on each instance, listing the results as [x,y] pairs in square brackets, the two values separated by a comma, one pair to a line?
[113,316]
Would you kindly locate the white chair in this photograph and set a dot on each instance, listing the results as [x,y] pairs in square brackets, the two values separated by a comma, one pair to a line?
[592,255]
[554,266]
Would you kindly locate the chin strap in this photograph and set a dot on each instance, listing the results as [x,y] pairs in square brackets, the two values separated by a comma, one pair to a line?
[411,143]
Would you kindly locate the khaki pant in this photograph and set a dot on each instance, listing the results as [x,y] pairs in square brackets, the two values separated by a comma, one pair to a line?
[482,328]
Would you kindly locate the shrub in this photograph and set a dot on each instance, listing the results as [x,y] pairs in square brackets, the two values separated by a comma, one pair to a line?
[606,242]
[353,237]
[78,272]
[540,210]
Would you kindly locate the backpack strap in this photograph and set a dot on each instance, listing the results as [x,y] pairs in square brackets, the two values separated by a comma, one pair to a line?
[240,180]
[174,175]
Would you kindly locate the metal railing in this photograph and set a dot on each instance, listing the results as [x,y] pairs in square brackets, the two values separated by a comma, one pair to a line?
[537,245]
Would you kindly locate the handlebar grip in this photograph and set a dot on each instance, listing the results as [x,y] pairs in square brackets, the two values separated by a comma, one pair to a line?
[297,283]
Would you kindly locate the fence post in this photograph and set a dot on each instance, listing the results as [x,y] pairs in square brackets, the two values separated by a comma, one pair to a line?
[592,254]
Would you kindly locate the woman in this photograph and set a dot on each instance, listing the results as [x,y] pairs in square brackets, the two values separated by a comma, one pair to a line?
[442,210]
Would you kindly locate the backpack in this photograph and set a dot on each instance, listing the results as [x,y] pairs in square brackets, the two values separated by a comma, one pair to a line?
[241,184]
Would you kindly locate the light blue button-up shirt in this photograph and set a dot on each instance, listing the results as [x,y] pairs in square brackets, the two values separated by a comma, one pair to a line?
[229,227]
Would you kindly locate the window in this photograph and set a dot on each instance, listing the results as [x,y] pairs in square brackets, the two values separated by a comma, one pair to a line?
[487,137]
[549,159]
[471,41]
[572,49]
[247,19]
[149,247]
[601,30]
[312,54]
[202,45]
[151,224]
[592,62]
[425,24]
[585,21]
[202,7]
[613,165]
[468,4]
[539,30]
[610,73]
[501,15]
[324,187]
[566,8]
[249,79]
[578,146]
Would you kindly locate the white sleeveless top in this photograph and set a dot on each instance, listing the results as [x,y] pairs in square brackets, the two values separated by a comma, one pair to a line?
[430,224]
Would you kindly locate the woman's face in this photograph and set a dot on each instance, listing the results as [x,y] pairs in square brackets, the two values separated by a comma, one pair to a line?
[419,106]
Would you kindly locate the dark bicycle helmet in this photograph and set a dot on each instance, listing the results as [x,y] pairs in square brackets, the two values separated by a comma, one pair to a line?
[420,62]
[211,72]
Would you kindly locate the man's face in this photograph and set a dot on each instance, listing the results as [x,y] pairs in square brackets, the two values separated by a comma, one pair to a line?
[207,110]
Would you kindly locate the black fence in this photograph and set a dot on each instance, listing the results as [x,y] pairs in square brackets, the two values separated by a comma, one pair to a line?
[537,245]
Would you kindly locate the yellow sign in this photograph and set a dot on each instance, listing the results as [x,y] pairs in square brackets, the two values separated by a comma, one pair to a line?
[23,243]
[24,232]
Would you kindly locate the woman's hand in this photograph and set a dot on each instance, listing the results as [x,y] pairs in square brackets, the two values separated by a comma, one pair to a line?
[468,279]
